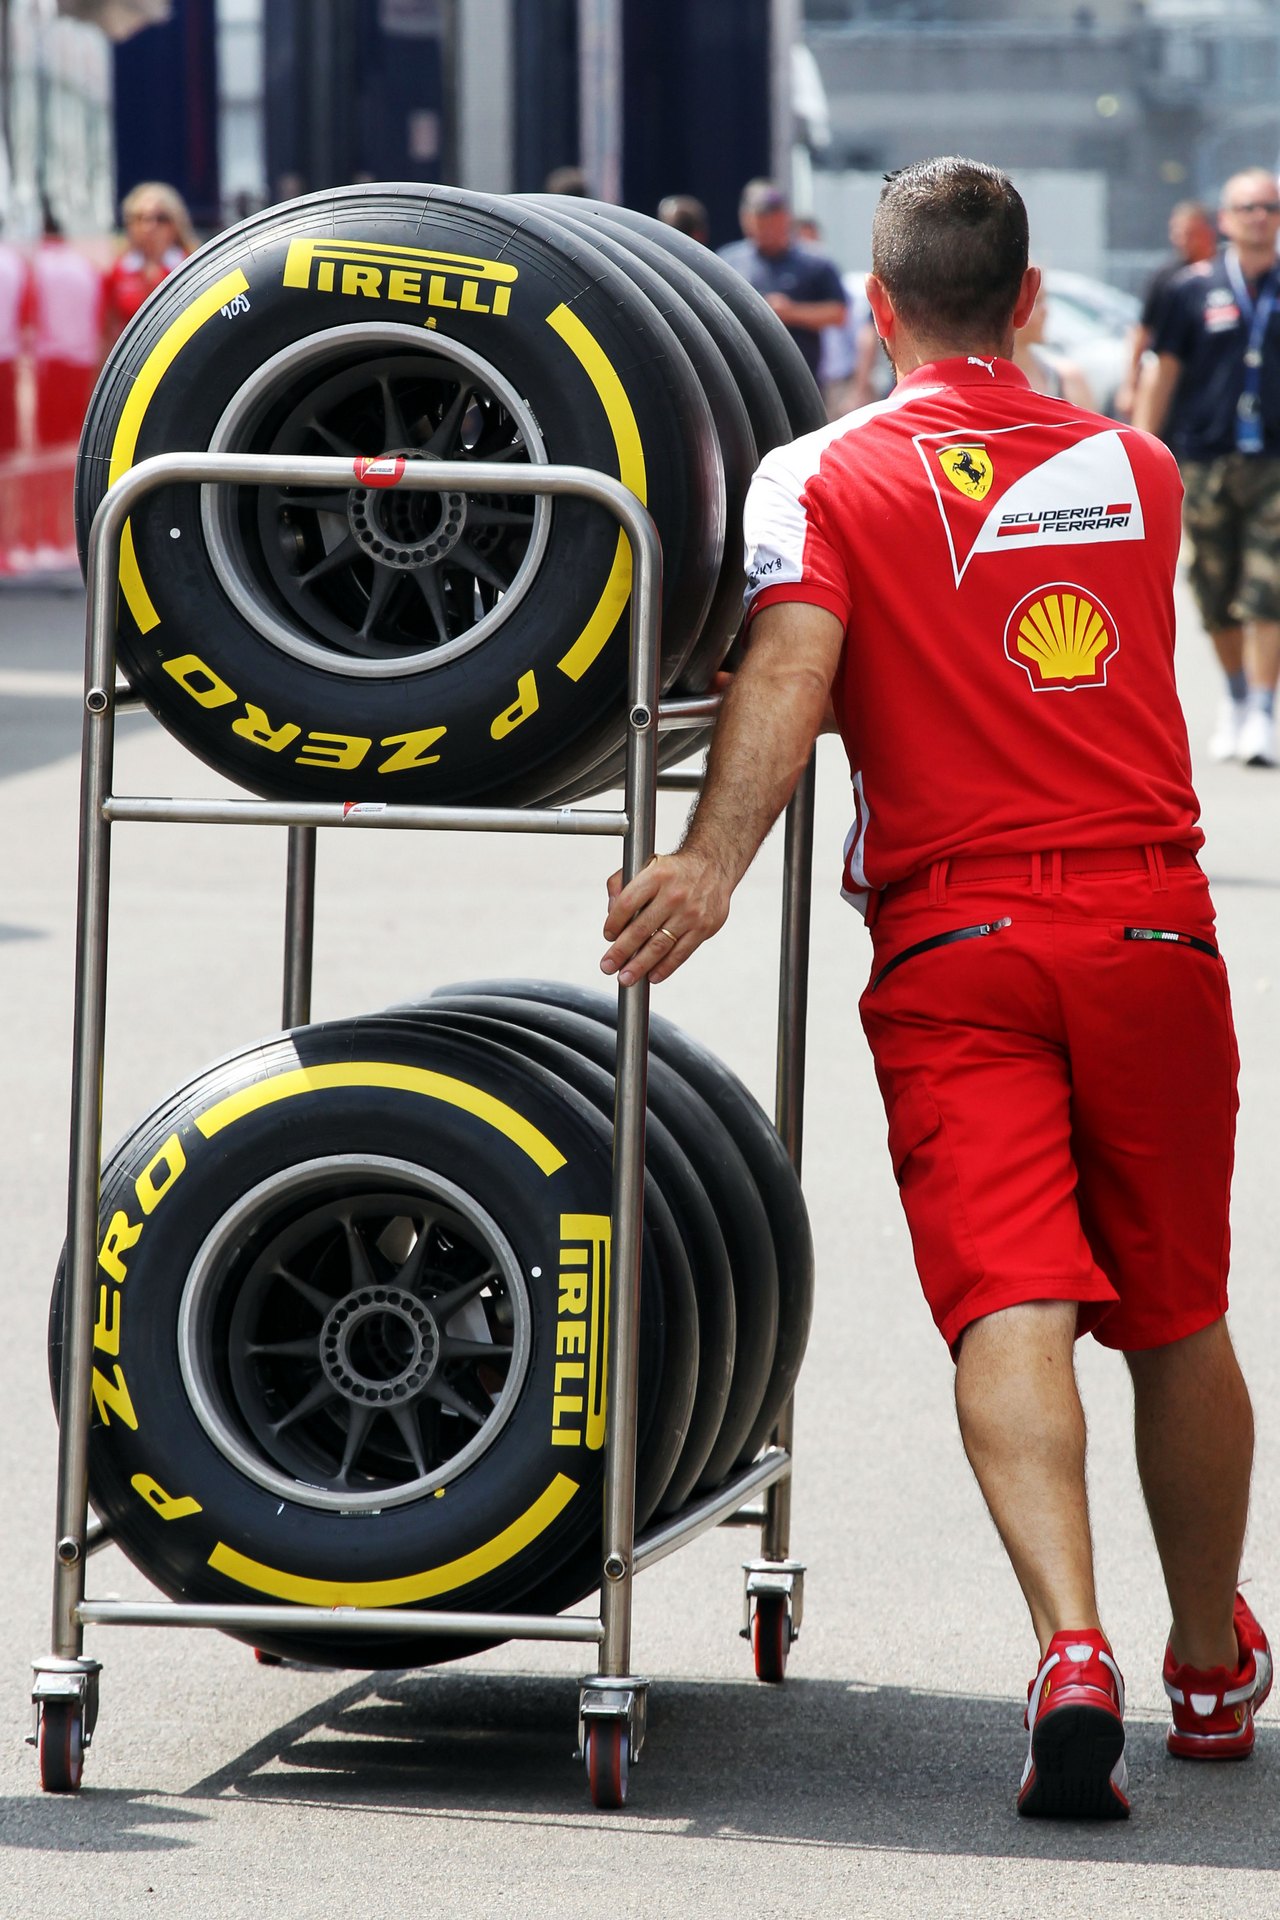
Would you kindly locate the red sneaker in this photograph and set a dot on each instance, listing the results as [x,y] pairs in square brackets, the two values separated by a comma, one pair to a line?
[1075,1719]
[1213,1711]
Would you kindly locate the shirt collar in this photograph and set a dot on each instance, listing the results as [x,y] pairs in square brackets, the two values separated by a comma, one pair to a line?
[967,370]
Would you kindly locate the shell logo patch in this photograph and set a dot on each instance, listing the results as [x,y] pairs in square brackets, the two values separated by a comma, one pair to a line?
[968,469]
[1062,638]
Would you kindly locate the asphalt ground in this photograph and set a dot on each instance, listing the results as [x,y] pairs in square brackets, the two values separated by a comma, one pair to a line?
[880,1779]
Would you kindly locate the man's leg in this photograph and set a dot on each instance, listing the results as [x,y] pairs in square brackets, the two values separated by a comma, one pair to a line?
[1194,1436]
[1023,1429]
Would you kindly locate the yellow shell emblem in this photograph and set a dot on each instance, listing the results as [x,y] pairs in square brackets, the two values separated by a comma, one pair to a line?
[1063,638]
[968,469]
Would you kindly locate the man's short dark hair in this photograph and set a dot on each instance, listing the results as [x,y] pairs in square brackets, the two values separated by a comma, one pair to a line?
[949,243]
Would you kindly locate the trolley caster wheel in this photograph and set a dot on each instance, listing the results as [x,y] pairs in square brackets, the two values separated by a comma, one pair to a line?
[606,1749]
[771,1637]
[61,1746]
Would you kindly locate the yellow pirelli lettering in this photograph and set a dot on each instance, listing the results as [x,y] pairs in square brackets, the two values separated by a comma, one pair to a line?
[579,1388]
[254,726]
[313,261]
[112,1397]
[522,708]
[121,1234]
[206,687]
[106,1328]
[341,751]
[387,1074]
[411,1587]
[152,1190]
[631,471]
[165,1504]
[411,749]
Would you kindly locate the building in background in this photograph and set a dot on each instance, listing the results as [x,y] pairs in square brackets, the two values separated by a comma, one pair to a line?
[1107,113]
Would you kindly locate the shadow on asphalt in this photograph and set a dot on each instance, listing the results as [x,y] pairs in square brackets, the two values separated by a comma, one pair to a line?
[812,1764]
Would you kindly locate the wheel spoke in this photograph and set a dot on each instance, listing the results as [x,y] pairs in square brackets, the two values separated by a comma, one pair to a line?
[311,1294]
[313,497]
[465,555]
[445,1305]
[362,1418]
[385,582]
[478,516]
[362,1273]
[304,1348]
[427,581]
[342,555]
[446,432]
[406,1421]
[332,439]
[323,1391]
[449,1396]
[394,431]
[451,1349]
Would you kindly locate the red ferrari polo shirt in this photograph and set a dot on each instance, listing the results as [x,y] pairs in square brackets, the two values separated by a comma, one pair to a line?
[1003,566]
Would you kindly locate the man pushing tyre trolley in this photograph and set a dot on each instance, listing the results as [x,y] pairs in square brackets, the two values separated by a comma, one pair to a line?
[978,580]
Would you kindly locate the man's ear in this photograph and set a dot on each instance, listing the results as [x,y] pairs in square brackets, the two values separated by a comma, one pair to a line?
[881,305]
[1027,295]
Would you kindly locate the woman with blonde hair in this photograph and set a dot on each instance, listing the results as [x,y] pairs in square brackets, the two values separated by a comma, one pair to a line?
[158,238]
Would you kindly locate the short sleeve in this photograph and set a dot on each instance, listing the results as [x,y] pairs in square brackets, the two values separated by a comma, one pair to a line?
[1174,324]
[790,554]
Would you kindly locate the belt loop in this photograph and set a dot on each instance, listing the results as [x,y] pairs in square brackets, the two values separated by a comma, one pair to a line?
[1055,872]
[1037,877]
[1156,870]
[938,883]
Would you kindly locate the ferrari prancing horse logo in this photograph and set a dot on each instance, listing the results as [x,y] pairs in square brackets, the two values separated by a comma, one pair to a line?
[968,469]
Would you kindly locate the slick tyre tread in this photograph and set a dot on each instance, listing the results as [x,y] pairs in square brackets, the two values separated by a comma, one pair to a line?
[490,1169]
[302,646]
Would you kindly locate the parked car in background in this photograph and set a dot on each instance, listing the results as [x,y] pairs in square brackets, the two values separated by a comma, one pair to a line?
[1090,322]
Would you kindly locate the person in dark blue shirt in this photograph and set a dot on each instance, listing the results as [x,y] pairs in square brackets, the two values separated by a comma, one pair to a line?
[1215,391]
[803,287]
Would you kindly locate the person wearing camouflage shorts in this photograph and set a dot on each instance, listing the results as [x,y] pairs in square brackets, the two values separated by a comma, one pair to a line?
[1215,387]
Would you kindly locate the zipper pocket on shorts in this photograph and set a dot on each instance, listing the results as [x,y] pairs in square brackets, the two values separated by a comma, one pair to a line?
[1167,937]
[979,932]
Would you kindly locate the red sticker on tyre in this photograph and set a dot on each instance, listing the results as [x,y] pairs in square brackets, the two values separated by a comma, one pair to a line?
[378,469]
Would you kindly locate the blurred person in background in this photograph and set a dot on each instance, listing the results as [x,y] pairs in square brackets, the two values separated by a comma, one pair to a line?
[569,180]
[1213,387]
[687,215]
[63,313]
[801,286]
[13,282]
[1193,236]
[158,238]
[1047,370]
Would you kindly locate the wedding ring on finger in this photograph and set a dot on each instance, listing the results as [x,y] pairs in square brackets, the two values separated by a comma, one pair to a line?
[666,934]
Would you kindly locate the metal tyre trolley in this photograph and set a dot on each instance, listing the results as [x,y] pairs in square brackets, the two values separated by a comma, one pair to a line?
[612,1701]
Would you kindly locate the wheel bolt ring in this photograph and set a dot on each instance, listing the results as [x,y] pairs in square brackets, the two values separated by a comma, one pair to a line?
[389,1308]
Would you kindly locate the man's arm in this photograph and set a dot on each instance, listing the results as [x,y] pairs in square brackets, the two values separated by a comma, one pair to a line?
[1140,338]
[768,722]
[814,314]
[1155,390]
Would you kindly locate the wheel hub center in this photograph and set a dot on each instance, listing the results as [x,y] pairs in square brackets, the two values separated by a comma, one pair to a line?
[379,1346]
[405,529]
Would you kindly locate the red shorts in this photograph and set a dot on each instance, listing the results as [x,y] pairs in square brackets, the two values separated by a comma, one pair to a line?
[1059,1072]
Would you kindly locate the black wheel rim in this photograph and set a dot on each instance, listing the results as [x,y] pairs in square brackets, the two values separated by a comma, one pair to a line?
[375,580]
[354,1333]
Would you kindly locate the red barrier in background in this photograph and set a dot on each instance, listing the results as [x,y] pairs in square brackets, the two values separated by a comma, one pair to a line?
[37,526]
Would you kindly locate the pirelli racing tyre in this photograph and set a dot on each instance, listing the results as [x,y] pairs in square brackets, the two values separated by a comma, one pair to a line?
[772,1178]
[727,1176]
[797,388]
[374,643]
[349,1342]
[712,1332]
